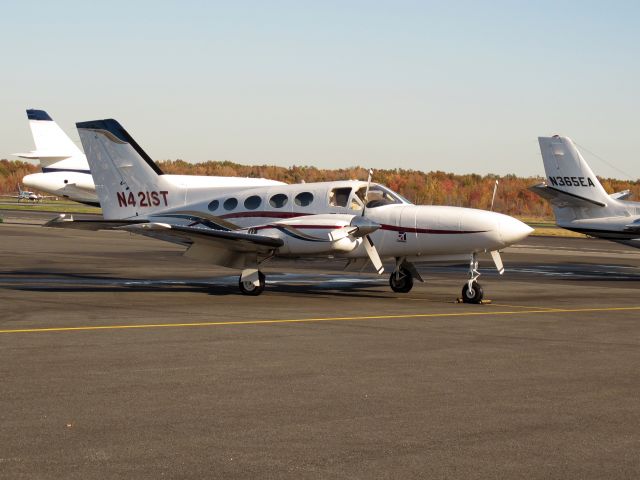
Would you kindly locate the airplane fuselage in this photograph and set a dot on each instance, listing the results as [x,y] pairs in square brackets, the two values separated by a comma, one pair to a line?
[304,215]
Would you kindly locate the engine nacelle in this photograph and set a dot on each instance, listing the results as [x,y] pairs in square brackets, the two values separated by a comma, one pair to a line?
[312,234]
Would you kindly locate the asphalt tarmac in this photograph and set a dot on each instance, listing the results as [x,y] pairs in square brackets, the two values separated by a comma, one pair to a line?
[119,358]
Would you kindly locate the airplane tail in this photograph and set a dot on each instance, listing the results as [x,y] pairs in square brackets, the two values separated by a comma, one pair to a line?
[54,149]
[128,182]
[568,172]
[571,187]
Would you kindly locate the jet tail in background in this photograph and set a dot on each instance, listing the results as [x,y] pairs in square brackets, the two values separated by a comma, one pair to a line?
[54,149]
[128,182]
[571,186]
[568,173]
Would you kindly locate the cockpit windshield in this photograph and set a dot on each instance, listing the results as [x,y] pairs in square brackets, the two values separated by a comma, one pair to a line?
[379,196]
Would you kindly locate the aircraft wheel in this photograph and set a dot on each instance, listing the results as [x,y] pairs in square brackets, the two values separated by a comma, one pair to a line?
[402,283]
[473,294]
[249,288]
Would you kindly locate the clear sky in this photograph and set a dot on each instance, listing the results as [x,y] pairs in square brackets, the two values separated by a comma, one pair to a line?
[460,86]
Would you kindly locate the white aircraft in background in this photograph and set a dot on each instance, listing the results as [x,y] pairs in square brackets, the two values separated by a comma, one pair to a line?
[244,227]
[579,201]
[27,195]
[65,170]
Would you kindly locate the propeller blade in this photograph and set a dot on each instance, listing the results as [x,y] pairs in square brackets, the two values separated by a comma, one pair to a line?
[373,254]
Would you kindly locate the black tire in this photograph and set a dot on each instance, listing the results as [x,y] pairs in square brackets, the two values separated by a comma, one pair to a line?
[473,295]
[403,284]
[248,288]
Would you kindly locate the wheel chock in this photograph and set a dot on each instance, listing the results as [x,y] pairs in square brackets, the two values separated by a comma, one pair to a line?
[482,302]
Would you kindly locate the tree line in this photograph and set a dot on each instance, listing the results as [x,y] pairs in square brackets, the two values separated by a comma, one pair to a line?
[426,188]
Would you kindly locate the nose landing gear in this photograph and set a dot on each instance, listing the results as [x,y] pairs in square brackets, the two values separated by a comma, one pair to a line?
[472,291]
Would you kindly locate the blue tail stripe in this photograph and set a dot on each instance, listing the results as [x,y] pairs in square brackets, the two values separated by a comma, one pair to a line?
[113,127]
[33,114]
[74,170]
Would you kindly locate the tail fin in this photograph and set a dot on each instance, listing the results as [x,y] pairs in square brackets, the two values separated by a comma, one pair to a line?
[568,174]
[54,148]
[128,183]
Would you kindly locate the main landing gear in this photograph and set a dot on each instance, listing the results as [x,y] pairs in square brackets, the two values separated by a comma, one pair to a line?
[401,279]
[472,291]
[252,284]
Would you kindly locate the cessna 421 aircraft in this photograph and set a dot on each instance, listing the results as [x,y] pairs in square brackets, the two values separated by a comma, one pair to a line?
[244,227]
[65,171]
[579,201]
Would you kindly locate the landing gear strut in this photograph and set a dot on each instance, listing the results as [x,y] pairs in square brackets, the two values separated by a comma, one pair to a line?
[251,287]
[472,291]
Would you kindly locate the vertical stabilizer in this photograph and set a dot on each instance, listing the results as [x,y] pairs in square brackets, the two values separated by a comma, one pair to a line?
[54,149]
[128,183]
[568,173]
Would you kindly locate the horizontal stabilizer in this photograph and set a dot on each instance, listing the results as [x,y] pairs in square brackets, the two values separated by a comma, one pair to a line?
[43,155]
[563,199]
[623,195]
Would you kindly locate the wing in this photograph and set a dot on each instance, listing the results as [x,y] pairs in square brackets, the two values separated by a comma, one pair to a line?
[233,249]
[232,240]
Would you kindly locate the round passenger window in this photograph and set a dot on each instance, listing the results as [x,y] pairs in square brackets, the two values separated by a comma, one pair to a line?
[230,203]
[252,202]
[213,205]
[279,200]
[304,199]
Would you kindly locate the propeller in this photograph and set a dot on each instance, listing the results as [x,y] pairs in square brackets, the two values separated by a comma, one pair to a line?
[361,227]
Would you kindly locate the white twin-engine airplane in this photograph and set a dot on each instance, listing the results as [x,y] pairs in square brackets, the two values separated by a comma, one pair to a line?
[65,170]
[579,201]
[243,227]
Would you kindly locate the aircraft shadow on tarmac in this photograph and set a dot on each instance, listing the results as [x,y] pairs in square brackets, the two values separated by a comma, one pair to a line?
[52,281]
[308,283]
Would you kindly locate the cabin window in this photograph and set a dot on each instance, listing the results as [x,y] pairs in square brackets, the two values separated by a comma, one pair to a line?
[303,199]
[230,203]
[279,200]
[252,202]
[339,197]
[213,205]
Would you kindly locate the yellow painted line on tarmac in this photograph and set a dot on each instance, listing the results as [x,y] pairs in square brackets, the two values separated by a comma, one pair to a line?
[321,319]
[521,306]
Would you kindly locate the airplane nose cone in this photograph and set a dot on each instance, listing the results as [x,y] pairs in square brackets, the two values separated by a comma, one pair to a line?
[513,230]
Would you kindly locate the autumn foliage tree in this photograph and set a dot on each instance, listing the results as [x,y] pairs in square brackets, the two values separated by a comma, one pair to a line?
[427,188]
